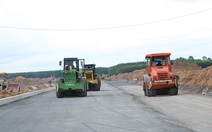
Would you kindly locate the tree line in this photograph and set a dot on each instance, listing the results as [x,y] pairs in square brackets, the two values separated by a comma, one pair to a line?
[204,62]
[38,74]
[126,67]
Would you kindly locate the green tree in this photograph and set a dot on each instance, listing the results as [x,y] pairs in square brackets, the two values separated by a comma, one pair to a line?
[181,59]
[204,58]
[190,58]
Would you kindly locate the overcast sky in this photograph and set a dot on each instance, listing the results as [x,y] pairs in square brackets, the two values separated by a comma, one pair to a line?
[36,34]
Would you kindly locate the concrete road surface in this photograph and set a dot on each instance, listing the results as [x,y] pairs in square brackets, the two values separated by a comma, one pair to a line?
[118,107]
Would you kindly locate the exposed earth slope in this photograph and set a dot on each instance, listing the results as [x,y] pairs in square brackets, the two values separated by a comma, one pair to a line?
[27,85]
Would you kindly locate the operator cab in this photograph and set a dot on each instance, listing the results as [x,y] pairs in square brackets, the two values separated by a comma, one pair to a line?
[90,67]
[73,64]
[158,60]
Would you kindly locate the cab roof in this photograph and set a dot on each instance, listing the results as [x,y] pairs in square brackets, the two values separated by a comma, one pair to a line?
[158,55]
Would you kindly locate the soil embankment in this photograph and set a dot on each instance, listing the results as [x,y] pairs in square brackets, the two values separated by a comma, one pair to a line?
[27,85]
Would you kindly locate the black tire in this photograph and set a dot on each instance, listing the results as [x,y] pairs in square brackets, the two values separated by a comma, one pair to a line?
[173,91]
[97,86]
[59,94]
[83,93]
[4,86]
[99,82]
[148,92]
[145,93]
[151,92]
[85,89]
[91,87]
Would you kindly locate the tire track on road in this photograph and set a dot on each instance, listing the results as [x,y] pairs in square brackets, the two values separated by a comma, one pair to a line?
[155,108]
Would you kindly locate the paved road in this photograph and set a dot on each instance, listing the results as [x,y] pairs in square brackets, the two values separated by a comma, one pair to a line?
[118,107]
[192,110]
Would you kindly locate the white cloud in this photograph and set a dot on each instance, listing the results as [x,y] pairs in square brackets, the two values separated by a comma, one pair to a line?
[34,50]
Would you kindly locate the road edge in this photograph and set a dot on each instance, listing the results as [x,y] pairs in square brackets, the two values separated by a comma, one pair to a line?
[8,100]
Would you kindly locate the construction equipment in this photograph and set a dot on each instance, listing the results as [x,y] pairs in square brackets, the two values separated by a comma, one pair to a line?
[159,78]
[72,80]
[3,82]
[8,87]
[13,88]
[93,79]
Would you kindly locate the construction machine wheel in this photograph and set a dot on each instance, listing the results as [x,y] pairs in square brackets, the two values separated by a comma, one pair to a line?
[83,93]
[151,92]
[173,91]
[91,86]
[145,93]
[5,85]
[59,94]
[148,92]
[99,81]
[97,87]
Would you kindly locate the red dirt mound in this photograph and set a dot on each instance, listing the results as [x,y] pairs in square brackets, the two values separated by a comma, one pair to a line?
[197,77]
[185,66]
[28,82]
